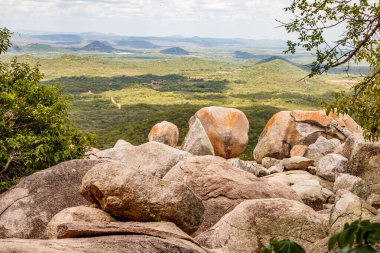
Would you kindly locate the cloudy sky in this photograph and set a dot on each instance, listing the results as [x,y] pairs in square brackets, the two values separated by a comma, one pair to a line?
[206,18]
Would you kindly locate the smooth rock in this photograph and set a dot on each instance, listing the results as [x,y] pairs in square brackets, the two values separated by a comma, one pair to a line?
[128,194]
[76,214]
[313,190]
[253,223]
[226,128]
[196,141]
[351,183]
[151,158]
[330,165]
[121,143]
[321,148]
[26,208]
[164,132]
[297,163]
[222,186]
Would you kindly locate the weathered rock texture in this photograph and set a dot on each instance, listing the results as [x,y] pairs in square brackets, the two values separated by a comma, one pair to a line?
[329,166]
[253,223]
[26,209]
[353,184]
[222,186]
[152,158]
[321,148]
[227,129]
[289,128]
[313,191]
[127,193]
[196,141]
[297,163]
[164,132]
[364,160]
[349,208]
[117,243]
[76,214]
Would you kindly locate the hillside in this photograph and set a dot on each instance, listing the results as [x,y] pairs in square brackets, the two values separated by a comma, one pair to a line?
[39,48]
[175,51]
[99,47]
[243,55]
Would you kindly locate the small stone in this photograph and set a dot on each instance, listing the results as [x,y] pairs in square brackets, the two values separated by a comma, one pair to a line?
[298,150]
[268,162]
[312,170]
[297,163]
[276,169]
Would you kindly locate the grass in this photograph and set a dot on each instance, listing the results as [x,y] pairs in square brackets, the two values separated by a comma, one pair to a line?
[155,89]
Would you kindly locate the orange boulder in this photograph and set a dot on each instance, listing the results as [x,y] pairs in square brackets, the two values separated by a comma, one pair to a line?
[164,132]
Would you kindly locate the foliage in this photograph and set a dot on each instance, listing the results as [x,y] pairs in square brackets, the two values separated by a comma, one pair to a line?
[282,246]
[357,237]
[35,132]
[5,42]
[314,21]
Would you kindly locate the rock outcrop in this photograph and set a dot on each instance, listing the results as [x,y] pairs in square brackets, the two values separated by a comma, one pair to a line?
[151,158]
[314,191]
[222,186]
[26,209]
[164,132]
[253,223]
[226,128]
[128,194]
[287,129]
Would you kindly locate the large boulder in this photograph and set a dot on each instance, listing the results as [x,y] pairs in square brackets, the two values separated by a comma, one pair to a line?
[222,186]
[314,191]
[196,141]
[289,128]
[152,158]
[227,129]
[349,208]
[363,160]
[26,208]
[253,223]
[129,194]
[164,132]
[115,243]
[321,148]
[329,166]
[76,214]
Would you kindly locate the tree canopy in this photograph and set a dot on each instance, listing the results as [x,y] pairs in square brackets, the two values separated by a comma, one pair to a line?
[35,132]
[358,23]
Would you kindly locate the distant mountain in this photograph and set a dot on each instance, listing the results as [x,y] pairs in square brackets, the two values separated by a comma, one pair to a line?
[273,58]
[137,44]
[175,51]
[15,48]
[40,48]
[59,37]
[243,55]
[99,47]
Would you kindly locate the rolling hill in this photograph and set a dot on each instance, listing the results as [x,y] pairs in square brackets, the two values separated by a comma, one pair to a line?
[175,51]
[98,46]
[137,44]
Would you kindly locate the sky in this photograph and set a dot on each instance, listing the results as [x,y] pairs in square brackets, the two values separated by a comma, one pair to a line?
[254,19]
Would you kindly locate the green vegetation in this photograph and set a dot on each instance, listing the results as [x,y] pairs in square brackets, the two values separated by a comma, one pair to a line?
[35,132]
[357,237]
[359,42]
[173,89]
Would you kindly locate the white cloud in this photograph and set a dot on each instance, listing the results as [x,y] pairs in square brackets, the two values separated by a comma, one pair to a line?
[221,18]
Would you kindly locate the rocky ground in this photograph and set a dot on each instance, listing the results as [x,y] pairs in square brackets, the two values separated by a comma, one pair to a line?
[312,173]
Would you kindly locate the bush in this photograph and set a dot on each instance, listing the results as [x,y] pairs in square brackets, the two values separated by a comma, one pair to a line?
[34,129]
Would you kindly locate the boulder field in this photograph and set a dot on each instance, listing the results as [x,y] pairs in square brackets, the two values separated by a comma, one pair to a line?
[311,174]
